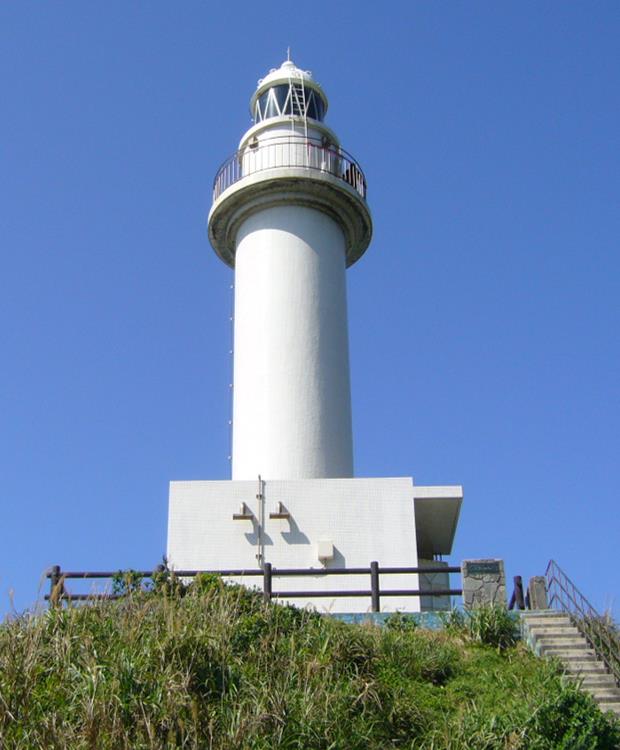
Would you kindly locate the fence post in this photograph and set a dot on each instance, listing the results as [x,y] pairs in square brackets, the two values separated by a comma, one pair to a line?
[375,596]
[267,582]
[519,592]
[55,593]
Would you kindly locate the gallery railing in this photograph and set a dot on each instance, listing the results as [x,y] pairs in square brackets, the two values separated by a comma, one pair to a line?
[289,151]
[58,591]
[599,631]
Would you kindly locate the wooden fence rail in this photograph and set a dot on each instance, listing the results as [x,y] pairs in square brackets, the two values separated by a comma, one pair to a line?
[58,592]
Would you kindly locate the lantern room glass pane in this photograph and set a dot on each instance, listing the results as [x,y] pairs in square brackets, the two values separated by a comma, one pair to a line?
[281,92]
[271,110]
[280,100]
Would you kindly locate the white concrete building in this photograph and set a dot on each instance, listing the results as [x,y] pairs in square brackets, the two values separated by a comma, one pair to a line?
[289,215]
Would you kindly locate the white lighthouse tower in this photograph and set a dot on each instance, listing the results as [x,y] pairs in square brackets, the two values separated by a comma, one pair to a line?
[289,215]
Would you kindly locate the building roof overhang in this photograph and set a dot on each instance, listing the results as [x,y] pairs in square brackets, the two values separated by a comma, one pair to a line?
[437,512]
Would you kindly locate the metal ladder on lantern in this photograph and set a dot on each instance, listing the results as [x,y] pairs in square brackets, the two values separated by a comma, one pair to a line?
[298,102]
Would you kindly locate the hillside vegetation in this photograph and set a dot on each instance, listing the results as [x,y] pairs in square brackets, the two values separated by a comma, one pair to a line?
[213,667]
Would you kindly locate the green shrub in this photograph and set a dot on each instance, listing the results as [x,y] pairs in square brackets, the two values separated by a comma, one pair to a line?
[126,582]
[490,626]
[567,720]
[454,621]
[401,622]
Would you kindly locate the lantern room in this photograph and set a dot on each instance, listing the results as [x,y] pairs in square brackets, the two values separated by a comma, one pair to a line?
[288,91]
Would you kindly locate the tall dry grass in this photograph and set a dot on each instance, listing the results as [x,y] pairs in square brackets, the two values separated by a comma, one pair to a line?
[215,668]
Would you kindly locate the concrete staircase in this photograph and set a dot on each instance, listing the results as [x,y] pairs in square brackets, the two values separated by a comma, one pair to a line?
[551,633]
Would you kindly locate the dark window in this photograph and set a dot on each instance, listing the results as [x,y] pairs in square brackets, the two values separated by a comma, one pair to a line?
[314,105]
[281,92]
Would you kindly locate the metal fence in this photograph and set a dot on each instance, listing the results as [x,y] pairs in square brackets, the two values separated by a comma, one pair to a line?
[599,631]
[289,151]
[59,593]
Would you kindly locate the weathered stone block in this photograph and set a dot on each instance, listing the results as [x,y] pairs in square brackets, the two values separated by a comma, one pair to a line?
[484,583]
[537,589]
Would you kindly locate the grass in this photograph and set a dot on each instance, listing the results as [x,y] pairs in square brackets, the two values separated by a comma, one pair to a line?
[216,668]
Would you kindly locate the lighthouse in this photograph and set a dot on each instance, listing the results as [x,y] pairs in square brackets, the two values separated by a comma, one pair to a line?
[289,215]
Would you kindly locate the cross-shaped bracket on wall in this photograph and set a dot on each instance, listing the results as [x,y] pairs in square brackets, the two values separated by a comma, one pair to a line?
[244,514]
[280,512]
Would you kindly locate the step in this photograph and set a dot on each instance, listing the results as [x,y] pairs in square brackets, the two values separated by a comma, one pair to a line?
[592,667]
[596,680]
[562,642]
[550,614]
[603,695]
[611,691]
[572,654]
[546,620]
[614,707]
[559,624]
[559,649]
[528,628]
[539,631]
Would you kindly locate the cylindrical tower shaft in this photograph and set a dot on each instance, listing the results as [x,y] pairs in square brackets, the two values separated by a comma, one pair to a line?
[292,403]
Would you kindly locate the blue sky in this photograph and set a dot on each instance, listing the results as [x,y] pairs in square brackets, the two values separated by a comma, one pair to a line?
[483,319]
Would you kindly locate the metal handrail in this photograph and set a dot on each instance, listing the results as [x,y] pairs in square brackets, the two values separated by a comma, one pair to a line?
[566,597]
[58,592]
[290,151]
